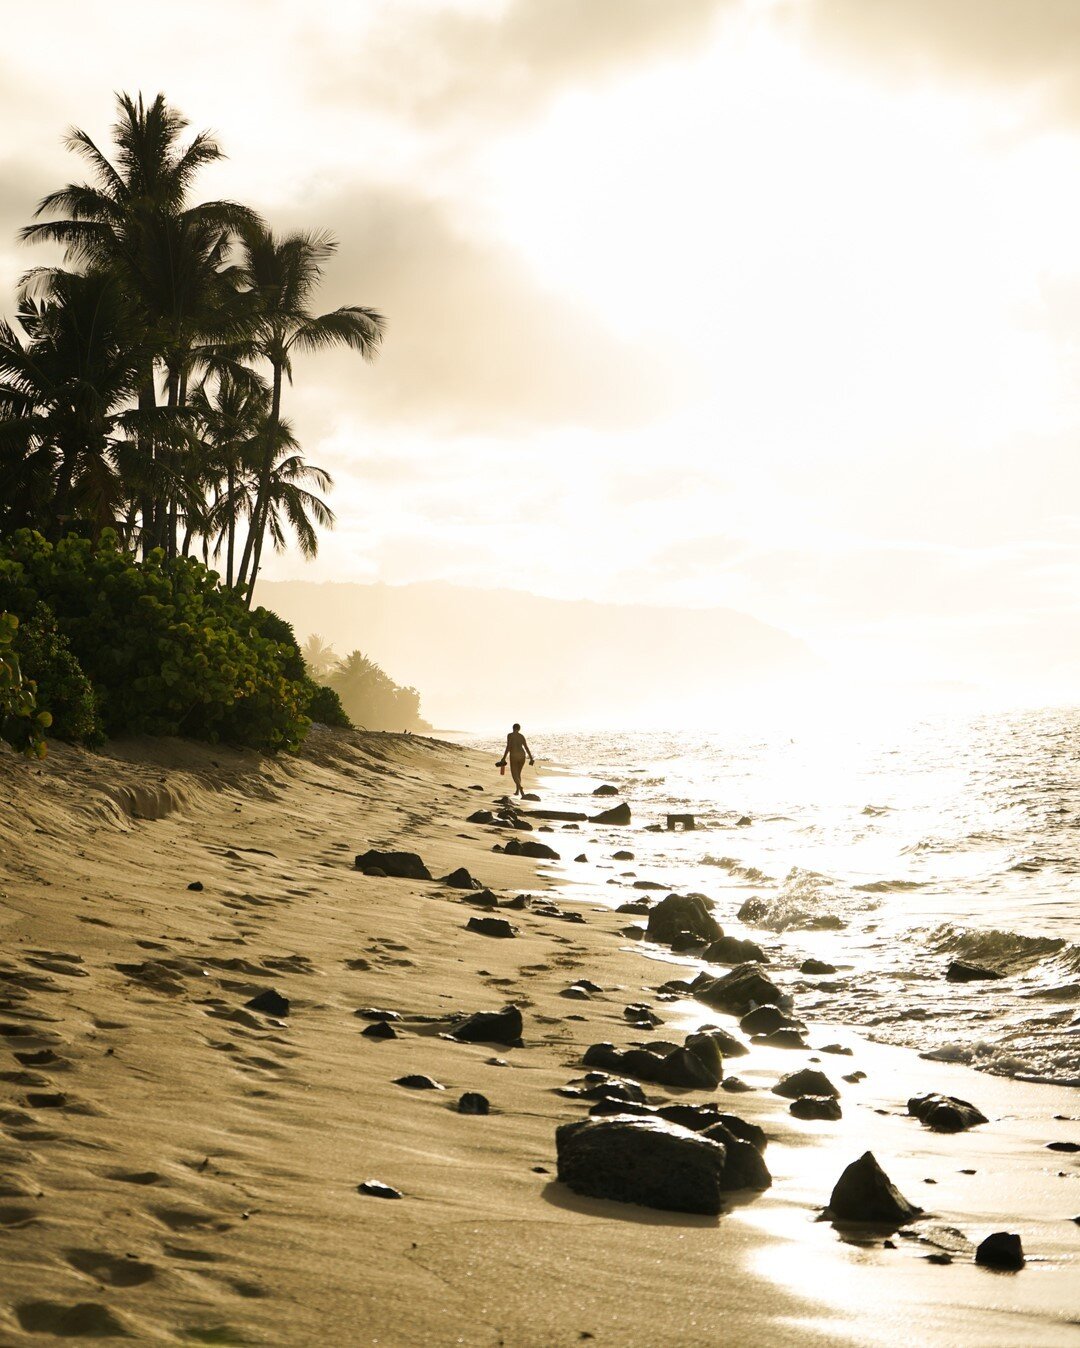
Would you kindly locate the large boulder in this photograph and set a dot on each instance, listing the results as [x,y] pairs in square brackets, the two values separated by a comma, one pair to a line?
[739,991]
[1002,1249]
[489,1027]
[679,915]
[808,1081]
[734,950]
[642,1160]
[864,1193]
[515,848]
[945,1113]
[618,814]
[400,865]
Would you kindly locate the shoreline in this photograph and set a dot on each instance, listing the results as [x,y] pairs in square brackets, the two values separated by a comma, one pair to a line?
[257,1133]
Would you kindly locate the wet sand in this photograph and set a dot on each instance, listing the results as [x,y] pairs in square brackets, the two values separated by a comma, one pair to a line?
[176,1167]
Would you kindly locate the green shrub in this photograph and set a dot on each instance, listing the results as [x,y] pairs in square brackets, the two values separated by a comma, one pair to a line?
[62,689]
[168,650]
[21,723]
[324,706]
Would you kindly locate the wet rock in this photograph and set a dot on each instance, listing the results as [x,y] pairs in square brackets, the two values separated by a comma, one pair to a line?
[944,1113]
[739,991]
[808,1081]
[472,1102]
[196,885]
[377,1189]
[481,817]
[815,1107]
[854,1077]
[516,848]
[633,933]
[490,1027]
[681,914]
[619,814]
[697,1066]
[841,1050]
[399,865]
[461,879]
[635,906]
[571,816]
[606,790]
[744,1166]
[622,855]
[639,1012]
[641,1160]
[1003,1249]
[743,821]
[582,857]
[687,941]
[415,1082]
[735,1085]
[604,1087]
[491,926]
[380,1030]
[575,993]
[735,950]
[959,972]
[766,1019]
[376,1013]
[270,1003]
[782,1038]
[1059,1146]
[864,1193]
[729,1046]
[812,966]
[646,884]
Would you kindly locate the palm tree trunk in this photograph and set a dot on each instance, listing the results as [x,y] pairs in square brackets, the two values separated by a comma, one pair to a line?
[253,545]
[230,550]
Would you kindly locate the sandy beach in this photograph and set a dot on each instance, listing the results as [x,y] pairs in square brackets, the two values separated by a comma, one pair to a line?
[178,1167]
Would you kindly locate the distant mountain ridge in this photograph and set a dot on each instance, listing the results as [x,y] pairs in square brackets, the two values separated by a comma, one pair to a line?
[484,657]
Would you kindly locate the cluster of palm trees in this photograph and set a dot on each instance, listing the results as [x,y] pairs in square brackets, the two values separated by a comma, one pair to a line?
[370,697]
[142,386]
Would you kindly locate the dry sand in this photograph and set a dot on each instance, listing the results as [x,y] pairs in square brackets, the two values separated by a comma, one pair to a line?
[178,1169]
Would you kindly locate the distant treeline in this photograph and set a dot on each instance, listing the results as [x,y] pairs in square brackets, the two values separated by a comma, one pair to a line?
[370,698]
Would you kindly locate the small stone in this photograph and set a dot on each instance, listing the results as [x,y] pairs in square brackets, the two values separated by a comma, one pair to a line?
[940,1257]
[766,1019]
[380,1030]
[377,1189]
[840,1049]
[575,993]
[808,1081]
[1063,1146]
[735,1085]
[472,1102]
[582,857]
[815,1107]
[415,1082]
[196,885]
[491,926]
[461,879]
[622,855]
[1002,1249]
[270,1003]
[376,1013]
[490,1027]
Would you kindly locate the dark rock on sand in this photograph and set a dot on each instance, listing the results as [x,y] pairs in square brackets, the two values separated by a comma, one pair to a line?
[515,848]
[766,1019]
[744,1142]
[377,1189]
[196,885]
[472,1102]
[481,817]
[606,790]
[735,1085]
[646,884]
[841,1050]
[588,985]
[815,1107]
[864,1193]
[687,941]
[945,1113]
[380,1030]
[618,814]
[812,966]
[622,855]
[491,926]
[415,1082]
[680,914]
[1060,1146]
[728,1045]
[734,950]
[635,906]
[582,857]
[808,1081]
[575,993]
[639,1012]
[270,1003]
[641,1160]
[782,1038]
[744,1166]
[959,972]
[482,898]
[854,1077]
[1002,1250]
[376,1013]
[633,933]
[697,1066]
[399,865]
[743,821]
[602,1086]
[489,1027]
[461,879]
[739,991]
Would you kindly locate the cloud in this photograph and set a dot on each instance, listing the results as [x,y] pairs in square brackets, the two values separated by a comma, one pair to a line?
[1028,44]
[452,63]
[475,344]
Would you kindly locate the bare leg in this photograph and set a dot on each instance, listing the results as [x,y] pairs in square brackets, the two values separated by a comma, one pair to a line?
[516,765]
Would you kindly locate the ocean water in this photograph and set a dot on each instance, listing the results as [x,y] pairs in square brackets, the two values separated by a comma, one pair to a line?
[886,851]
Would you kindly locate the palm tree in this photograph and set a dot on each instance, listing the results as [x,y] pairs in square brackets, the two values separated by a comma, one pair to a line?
[319,656]
[64,391]
[133,222]
[281,275]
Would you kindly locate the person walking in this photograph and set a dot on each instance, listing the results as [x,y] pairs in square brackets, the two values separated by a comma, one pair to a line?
[516,751]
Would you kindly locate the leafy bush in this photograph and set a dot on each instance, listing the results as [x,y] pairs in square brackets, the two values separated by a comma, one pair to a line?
[21,723]
[62,689]
[169,651]
[324,706]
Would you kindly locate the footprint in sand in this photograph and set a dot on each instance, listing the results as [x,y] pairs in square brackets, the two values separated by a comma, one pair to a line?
[111,1269]
[190,1219]
[15,1218]
[85,1320]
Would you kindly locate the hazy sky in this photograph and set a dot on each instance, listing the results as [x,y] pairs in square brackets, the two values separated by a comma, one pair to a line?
[770,304]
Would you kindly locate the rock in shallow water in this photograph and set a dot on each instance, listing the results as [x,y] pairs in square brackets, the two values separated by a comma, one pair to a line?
[734,950]
[541,851]
[959,972]
[739,991]
[864,1193]
[1002,1249]
[815,1107]
[945,1113]
[681,915]
[805,1082]
[642,1160]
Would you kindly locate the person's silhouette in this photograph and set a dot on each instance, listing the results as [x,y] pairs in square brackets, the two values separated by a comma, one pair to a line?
[516,752]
